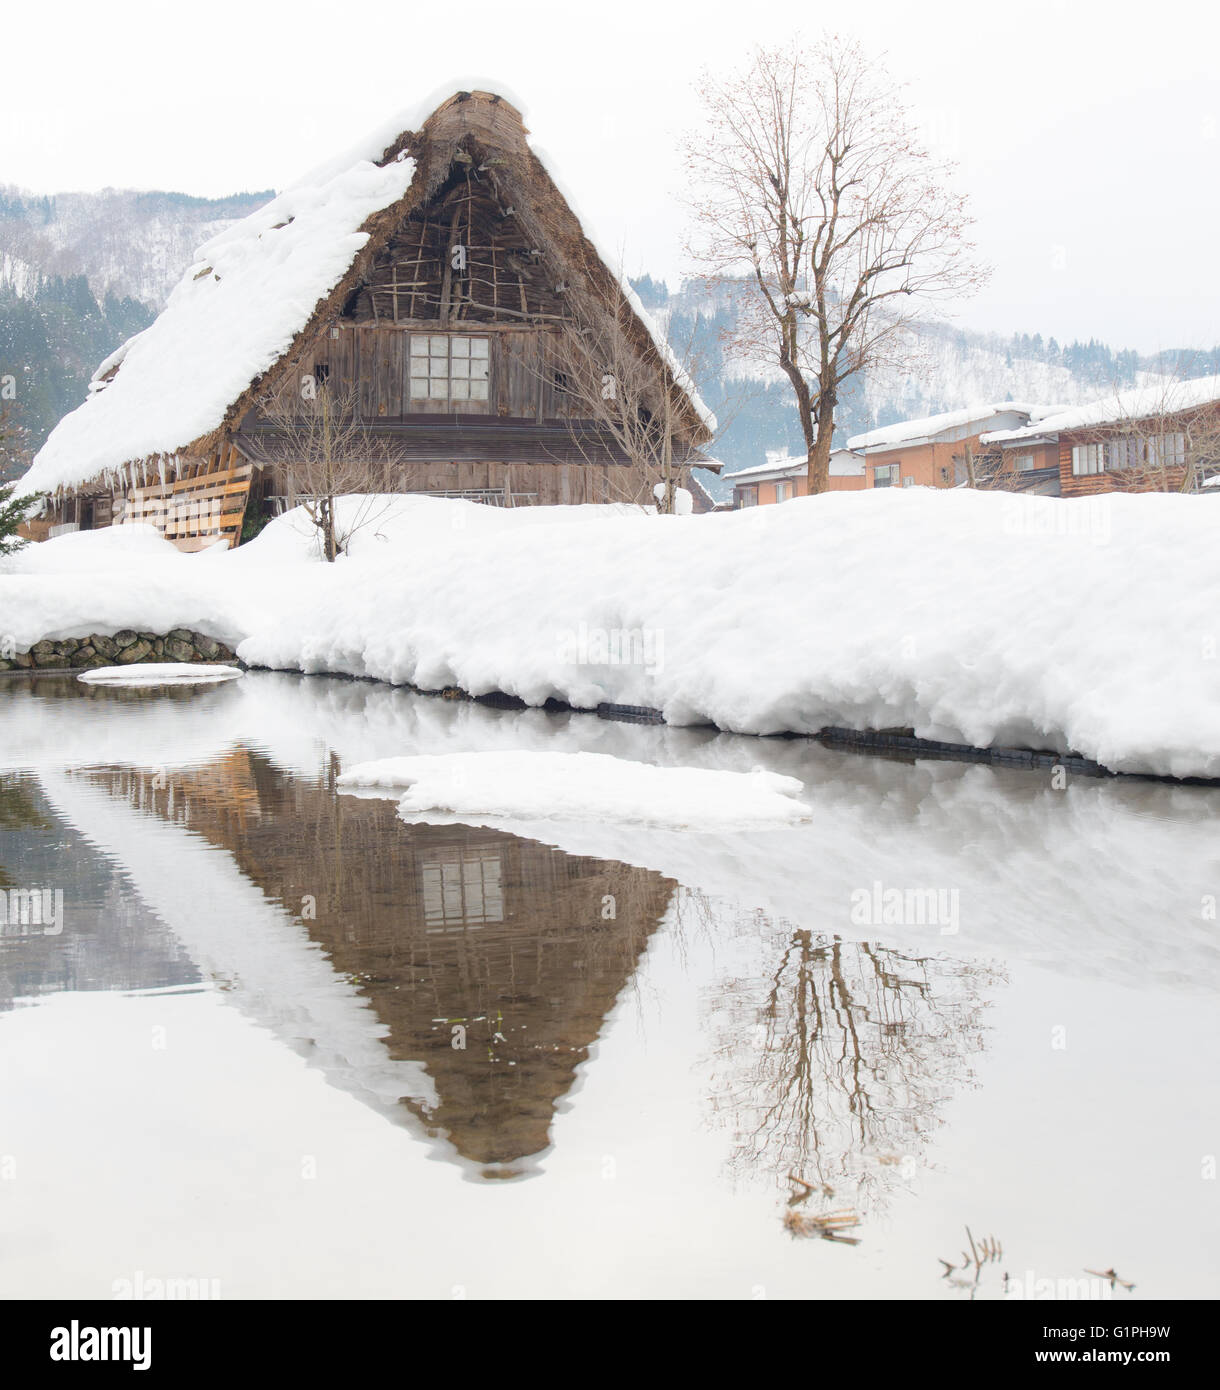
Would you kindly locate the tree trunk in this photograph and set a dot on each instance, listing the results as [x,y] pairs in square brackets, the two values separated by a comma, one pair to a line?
[328,529]
[818,478]
[804,413]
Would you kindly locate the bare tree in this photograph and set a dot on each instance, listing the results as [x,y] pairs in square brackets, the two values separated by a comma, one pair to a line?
[809,180]
[984,471]
[329,452]
[632,393]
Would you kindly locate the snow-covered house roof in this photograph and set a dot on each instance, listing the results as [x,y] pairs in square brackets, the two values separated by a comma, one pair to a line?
[266,285]
[844,463]
[908,432]
[1139,403]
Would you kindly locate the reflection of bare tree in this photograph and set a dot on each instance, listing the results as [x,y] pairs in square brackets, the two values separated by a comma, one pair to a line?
[832,1062]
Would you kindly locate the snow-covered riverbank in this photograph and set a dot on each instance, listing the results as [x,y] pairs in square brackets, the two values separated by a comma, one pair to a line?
[972,618]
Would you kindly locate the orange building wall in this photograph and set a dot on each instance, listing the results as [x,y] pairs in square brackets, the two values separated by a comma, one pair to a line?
[766,491]
[1045,456]
[930,465]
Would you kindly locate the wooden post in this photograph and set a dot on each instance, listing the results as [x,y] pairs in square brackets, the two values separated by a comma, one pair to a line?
[447,278]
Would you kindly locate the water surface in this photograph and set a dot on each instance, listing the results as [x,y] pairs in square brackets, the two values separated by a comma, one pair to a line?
[282,1043]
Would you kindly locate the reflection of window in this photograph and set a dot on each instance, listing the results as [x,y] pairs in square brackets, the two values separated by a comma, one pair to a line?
[448,368]
[461,889]
[886,474]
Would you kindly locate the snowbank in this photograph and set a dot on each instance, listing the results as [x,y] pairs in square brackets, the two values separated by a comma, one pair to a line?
[110,549]
[581,787]
[1087,625]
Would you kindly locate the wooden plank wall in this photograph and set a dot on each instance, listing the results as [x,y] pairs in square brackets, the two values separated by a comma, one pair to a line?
[534,484]
[204,505]
[1090,484]
[371,363]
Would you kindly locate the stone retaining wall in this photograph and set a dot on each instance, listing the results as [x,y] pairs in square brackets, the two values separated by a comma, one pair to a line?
[126,648]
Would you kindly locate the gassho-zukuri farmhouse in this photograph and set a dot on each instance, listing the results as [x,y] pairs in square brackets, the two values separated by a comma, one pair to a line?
[422,308]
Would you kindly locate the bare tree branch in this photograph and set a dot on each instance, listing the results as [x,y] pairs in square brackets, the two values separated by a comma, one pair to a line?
[328,452]
[810,188]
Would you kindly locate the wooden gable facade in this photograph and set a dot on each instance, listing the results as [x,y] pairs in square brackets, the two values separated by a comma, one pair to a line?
[444,348]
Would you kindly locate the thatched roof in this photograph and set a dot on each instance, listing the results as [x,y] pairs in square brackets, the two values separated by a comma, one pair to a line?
[259,294]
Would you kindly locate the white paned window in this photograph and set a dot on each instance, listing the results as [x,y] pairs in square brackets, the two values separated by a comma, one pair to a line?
[1122,453]
[1088,458]
[449,367]
[886,475]
[1167,451]
[1025,463]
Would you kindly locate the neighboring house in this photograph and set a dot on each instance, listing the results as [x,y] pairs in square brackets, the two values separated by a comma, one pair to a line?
[1024,460]
[424,283]
[933,452]
[1160,438]
[781,479]
[702,500]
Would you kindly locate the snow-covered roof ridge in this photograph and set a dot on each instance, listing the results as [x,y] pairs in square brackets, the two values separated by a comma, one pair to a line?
[1137,403]
[904,431]
[850,464]
[670,358]
[251,290]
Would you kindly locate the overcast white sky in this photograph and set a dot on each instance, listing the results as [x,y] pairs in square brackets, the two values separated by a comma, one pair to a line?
[1088,134]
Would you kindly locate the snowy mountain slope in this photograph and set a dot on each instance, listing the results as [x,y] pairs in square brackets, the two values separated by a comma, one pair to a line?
[79,274]
[126,243]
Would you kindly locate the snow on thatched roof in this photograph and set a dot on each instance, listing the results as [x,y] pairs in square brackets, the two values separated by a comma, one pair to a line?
[256,286]
[237,309]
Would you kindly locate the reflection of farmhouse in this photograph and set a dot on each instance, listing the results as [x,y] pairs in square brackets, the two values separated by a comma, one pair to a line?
[437,286]
[451,934]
